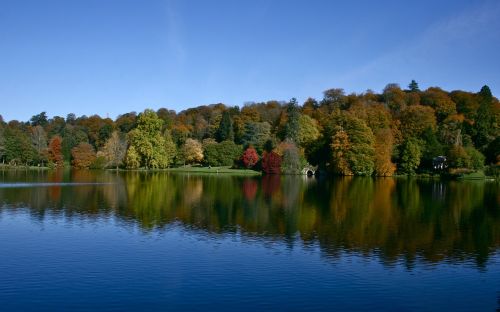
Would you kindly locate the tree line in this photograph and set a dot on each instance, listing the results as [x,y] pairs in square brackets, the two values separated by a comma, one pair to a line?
[397,130]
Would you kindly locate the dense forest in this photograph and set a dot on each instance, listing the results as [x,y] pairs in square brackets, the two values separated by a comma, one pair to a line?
[401,131]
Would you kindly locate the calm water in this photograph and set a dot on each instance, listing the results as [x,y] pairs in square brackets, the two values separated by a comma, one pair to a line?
[137,241]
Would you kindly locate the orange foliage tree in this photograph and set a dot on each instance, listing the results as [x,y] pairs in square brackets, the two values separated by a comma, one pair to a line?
[83,156]
[55,151]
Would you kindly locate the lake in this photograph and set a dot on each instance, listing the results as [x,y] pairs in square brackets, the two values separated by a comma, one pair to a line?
[84,240]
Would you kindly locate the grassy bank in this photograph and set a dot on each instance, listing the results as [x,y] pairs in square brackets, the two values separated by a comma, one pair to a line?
[214,170]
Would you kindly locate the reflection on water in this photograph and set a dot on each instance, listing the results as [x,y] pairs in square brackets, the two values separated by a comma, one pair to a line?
[398,220]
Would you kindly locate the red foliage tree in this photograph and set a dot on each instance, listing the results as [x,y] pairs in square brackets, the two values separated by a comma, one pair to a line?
[271,163]
[55,154]
[250,157]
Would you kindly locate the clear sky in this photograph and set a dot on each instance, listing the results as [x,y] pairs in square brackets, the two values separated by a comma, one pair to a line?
[115,56]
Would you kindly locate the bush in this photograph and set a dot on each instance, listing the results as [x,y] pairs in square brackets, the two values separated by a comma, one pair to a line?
[221,154]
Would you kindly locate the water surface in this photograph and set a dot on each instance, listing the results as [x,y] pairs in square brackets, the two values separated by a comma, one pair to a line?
[85,240]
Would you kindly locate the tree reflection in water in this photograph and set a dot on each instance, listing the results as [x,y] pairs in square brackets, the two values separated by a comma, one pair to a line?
[398,220]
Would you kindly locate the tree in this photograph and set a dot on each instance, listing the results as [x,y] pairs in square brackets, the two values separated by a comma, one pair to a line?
[353,151]
[148,142]
[115,150]
[256,134]
[308,130]
[55,151]
[71,137]
[225,131]
[39,120]
[440,101]
[132,159]
[83,156]
[250,157]
[2,142]
[192,151]
[290,161]
[416,119]
[271,163]
[484,120]
[394,98]
[413,86]
[384,167]
[17,147]
[410,154]
[221,154]
[292,126]
[340,147]
[39,142]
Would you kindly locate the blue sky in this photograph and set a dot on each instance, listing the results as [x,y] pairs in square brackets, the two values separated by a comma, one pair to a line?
[115,56]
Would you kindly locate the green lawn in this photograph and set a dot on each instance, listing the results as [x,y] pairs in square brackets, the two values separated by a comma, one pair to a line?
[214,170]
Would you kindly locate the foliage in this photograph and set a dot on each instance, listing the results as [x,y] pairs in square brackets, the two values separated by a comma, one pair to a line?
[292,126]
[416,119]
[271,163]
[348,133]
[256,134]
[221,154]
[55,151]
[352,146]
[384,167]
[250,157]
[148,142]
[308,130]
[83,156]
[410,154]
[291,163]
[192,151]
[114,150]
[132,159]
[225,131]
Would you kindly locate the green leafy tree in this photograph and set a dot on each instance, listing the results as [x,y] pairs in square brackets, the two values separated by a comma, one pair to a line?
[256,134]
[225,131]
[308,131]
[410,154]
[132,159]
[148,141]
[484,120]
[18,148]
[221,154]
[292,126]
[413,86]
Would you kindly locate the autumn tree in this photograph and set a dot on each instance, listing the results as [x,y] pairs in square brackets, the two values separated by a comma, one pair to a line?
[271,163]
[54,152]
[250,157]
[416,119]
[192,151]
[440,101]
[83,156]
[39,142]
[384,167]
[115,150]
